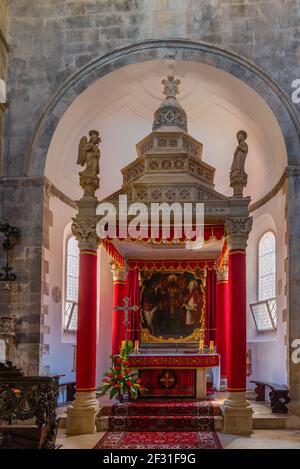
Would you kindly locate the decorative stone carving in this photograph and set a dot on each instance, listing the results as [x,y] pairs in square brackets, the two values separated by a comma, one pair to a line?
[119,274]
[237,232]
[84,229]
[8,333]
[170,113]
[89,156]
[222,273]
[238,177]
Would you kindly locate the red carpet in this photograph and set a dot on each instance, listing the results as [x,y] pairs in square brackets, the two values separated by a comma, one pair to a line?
[165,416]
[159,440]
[163,408]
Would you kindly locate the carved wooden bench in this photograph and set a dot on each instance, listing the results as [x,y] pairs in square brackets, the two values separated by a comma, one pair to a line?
[25,400]
[279,395]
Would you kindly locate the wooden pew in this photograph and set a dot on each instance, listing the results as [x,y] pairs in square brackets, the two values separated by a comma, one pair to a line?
[279,395]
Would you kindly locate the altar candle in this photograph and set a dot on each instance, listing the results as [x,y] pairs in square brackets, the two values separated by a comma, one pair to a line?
[201,346]
[136,346]
[211,346]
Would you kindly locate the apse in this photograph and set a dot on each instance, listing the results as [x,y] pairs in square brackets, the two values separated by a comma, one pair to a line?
[121,107]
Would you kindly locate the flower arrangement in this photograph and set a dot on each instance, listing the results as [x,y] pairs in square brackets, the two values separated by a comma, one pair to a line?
[119,379]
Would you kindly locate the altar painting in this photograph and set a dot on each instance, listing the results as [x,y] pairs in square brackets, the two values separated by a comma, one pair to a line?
[173,307]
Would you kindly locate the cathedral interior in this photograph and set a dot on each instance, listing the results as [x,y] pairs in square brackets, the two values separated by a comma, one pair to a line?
[149,229]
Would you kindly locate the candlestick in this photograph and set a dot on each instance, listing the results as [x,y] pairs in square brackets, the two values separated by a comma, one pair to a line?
[201,346]
[136,346]
[211,346]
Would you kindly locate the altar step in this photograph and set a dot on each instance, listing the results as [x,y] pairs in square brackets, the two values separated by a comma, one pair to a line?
[167,415]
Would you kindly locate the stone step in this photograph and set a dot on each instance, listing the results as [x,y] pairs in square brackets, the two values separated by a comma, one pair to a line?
[276,422]
[156,423]
[163,408]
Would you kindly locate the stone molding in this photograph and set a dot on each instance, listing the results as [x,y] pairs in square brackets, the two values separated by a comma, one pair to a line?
[174,162]
[271,194]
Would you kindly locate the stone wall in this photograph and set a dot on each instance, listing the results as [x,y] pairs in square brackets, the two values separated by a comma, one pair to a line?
[52,39]
[24,203]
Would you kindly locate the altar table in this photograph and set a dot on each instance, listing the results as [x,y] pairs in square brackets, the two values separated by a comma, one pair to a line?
[180,361]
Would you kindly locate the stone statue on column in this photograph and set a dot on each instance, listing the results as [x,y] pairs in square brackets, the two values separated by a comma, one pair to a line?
[89,156]
[238,176]
[81,414]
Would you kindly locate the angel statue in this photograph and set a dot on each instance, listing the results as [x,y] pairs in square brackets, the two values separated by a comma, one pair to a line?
[89,154]
[238,177]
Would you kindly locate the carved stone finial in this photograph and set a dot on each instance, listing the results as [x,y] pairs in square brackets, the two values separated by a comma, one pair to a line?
[238,177]
[170,112]
[171,86]
[89,156]
[237,231]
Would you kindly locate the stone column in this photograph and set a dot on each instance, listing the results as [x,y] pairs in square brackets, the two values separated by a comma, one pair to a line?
[222,321]
[81,415]
[82,412]
[236,410]
[119,293]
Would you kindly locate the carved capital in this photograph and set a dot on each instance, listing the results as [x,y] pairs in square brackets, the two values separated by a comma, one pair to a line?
[222,273]
[237,232]
[119,274]
[84,229]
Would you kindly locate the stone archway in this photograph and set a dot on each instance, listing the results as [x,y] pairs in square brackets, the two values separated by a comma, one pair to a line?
[257,79]
[179,49]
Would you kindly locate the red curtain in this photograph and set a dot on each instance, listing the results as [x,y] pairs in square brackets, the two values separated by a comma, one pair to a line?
[210,320]
[133,292]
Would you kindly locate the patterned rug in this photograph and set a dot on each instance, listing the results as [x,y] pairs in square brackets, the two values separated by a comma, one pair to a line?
[163,416]
[159,440]
[164,408]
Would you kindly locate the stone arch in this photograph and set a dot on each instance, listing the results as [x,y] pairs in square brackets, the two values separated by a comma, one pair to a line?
[179,49]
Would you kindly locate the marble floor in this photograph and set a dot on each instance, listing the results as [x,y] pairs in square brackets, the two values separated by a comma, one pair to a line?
[260,439]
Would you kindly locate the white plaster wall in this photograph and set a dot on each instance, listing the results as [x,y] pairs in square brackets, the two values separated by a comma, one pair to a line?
[105,316]
[269,360]
[60,358]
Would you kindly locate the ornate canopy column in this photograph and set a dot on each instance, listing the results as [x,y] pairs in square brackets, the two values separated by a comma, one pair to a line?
[82,413]
[119,293]
[236,410]
[222,321]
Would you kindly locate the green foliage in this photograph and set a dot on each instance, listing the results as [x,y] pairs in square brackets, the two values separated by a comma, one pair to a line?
[119,379]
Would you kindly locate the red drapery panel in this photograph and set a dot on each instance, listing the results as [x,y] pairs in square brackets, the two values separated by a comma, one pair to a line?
[210,322]
[133,292]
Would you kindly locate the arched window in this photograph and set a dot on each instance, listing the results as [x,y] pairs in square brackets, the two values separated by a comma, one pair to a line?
[71,287]
[266,266]
[264,312]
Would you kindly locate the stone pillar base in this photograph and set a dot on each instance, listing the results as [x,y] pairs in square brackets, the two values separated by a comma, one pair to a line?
[237,414]
[81,415]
